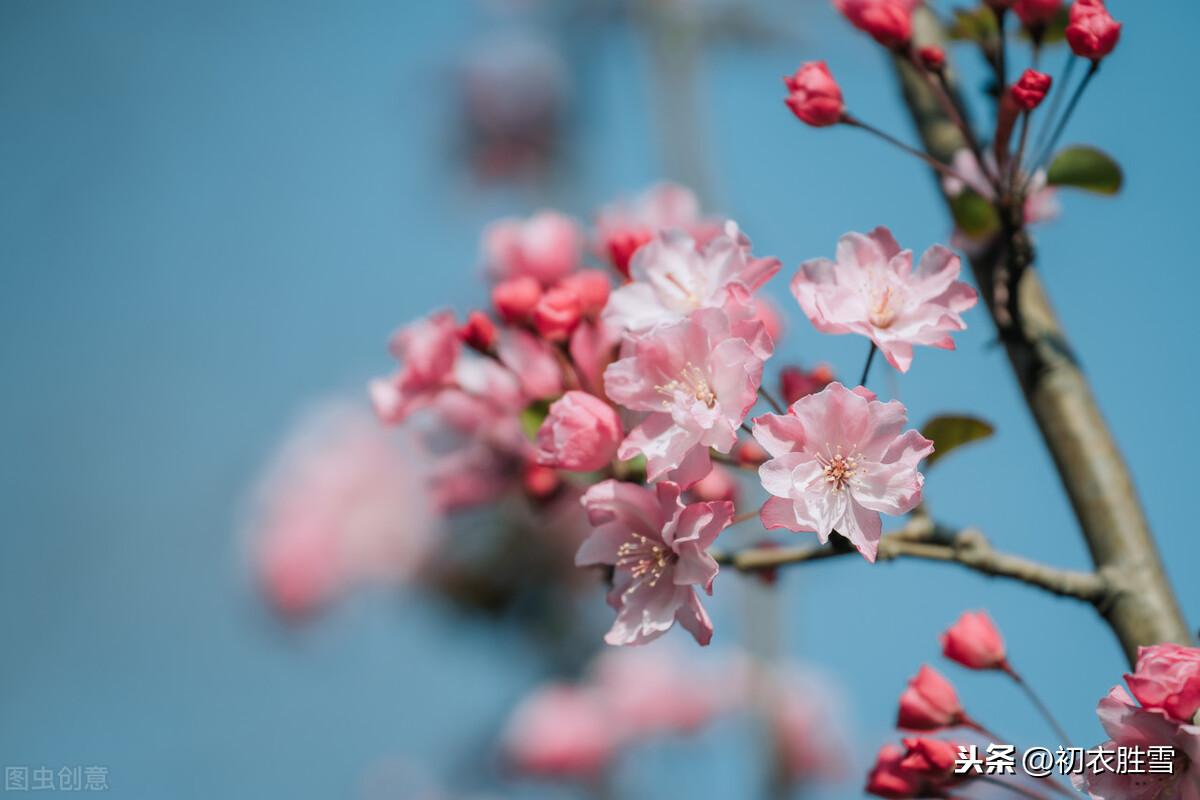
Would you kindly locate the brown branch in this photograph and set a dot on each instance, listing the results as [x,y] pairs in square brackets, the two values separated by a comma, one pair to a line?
[1142,608]
[923,540]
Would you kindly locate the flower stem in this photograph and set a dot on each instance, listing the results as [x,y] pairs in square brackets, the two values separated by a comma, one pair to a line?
[887,137]
[1042,708]
[867,367]
[1059,91]
[771,401]
[1066,117]
[746,517]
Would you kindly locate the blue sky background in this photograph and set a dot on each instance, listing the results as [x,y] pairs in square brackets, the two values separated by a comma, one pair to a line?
[213,213]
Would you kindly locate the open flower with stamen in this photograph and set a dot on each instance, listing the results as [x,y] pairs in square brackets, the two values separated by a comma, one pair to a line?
[696,382]
[658,548]
[873,290]
[840,458]
[671,278]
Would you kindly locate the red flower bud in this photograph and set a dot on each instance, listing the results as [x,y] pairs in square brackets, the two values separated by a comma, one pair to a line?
[814,96]
[1031,89]
[515,299]
[933,57]
[622,245]
[795,383]
[975,643]
[1092,32]
[540,482]
[478,332]
[1033,13]
[929,703]
[592,286]
[557,313]
[888,22]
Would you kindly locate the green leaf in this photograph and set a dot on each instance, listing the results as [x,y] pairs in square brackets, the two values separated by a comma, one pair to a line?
[1086,168]
[973,25]
[974,214]
[951,431]
[532,418]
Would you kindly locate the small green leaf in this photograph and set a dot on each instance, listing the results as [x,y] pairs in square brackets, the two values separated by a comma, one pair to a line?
[973,25]
[974,214]
[951,431]
[532,418]
[1085,168]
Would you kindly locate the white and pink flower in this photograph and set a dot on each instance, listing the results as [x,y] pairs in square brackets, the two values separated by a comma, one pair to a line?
[623,227]
[671,278]
[696,383]
[658,548]
[873,290]
[581,433]
[839,459]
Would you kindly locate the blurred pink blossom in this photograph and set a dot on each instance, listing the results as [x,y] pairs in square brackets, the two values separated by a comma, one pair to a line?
[561,731]
[581,433]
[623,227]
[427,351]
[546,247]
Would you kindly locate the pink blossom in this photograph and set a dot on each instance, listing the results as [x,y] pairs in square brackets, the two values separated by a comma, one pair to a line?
[924,768]
[888,22]
[716,485]
[930,703]
[975,643]
[592,348]
[1037,12]
[659,550]
[546,247]
[515,298]
[478,332]
[655,690]
[1041,201]
[533,362]
[838,460]
[803,712]
[560,731]
[696,385]
[1129,725]
[888,778]
[873,290]
[581,433]
[557,313]
[1091,31]
[814,96]
[427,351]
[671,278]
[342,505]
[622,228]
[1168,678]
[795,382]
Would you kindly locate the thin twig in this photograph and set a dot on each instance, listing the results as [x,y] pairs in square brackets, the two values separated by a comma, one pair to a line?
[867,367]
[1066,117]
[771,401]
[946,170]
[1042,708]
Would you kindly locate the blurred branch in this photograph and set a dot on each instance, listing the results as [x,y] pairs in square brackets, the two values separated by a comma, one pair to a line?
[1142,608]
[925,540]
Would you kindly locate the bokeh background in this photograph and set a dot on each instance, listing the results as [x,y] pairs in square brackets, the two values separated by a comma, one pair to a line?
[213,214]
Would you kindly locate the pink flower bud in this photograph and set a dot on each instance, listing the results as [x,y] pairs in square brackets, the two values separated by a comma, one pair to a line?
[515,299]
[1033,13]
[718,485]
[1168,678]
[889,779]
[814,96]
[975,643]
[929,703]
[580,434]
[539,481]
[1092,32]
[888,22]
[621,245]
[750,453]
[933,58]
[932,758]
[795,383]
[592,287]
[557,313]
[478,332]
[1031,89]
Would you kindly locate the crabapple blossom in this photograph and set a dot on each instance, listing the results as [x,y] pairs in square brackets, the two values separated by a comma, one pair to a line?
[560,731]
[716,485]
[516,298]
[546,247]
[932,57]
[658,548]
[478,332]
[1041,200]
[650,691]
[930,703]
[974,642]
[1091,31]
[795,382]
[427,351]
[622,228]
[342,505]
[581,433]
[1030,90]
[671,278]
[592,287]
[888,22]
[924,768]
[814,96]
[696,383]
[1130,725]
[838,460]
[1036,12]
[873,290]
[888,778]
[1168,678]
[532,361]
[557,313]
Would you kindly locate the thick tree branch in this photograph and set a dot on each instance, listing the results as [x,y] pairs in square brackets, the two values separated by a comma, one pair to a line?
[922,539]
[1142,609]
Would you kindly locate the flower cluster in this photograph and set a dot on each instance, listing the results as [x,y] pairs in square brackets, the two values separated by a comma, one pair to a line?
[627,386]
